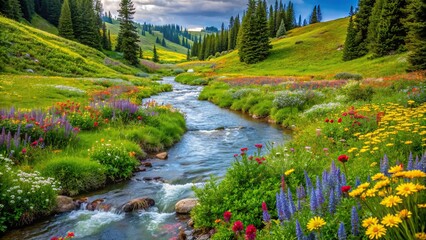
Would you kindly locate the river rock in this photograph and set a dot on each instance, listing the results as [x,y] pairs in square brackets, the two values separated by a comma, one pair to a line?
[162,156]
[185,206]
[94,205]
[64,204]
[147,164]
[138,204]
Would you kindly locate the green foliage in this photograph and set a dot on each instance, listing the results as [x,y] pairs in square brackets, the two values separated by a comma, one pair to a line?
[65,22]
[282,30]
[416,24]
[23,195]
[350,50]
[155,57]
[11,9]
[356,92]
[117,160]
[289,99]
[348,76]
[191,79]
[128,35]
[76,175]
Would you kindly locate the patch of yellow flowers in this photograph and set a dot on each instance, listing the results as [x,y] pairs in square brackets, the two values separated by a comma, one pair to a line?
[396,202]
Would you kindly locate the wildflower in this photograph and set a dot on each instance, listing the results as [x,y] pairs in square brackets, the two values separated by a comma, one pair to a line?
[238,227]
[420,236]
[378,176]
[408,142]
[356,192]
[95,124]
[391,201]
[410,102]
[24,151]
[244,149]
[70,234]
[327,120]
[251,232]
[405,214]
[332,202]
[217,221]
[415,174]
[266,216]
[381,184]
[258,146]
[288,172]
[373,164]
[391,220]
[376,231]
[341,233]
[395,169]
[420,187]
[313,201]
[315,223]
[354,221]
[54,238]
[364,185]
[340,120]
[369,221]
[299,231]
[343,158]
[423,205]
[406,189]
[371,192]
[227,216]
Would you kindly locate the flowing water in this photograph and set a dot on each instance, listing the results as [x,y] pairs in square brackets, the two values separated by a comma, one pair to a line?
[214,135]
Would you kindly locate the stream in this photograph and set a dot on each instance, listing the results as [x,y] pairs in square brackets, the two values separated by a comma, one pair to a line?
[214,135]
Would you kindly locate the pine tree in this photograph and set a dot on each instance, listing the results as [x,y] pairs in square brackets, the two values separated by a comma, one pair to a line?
[361,22]
[281,31]
[351,11]
[416,23]
[188,55]
[299,24]
[314,16]
[89,34]
[65,22]
[128,33]
[305,22]
[104,36]
[155,57]
[76,18]
[290,17]
[271,22]
[374,22]
[163,43]
[350,49]
[98,11]
[319,13]
[140,53]
[27,8]
[11,9]
[391,32]
[109,41]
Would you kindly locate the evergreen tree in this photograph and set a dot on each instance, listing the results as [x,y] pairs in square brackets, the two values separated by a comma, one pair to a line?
[188,55]
[98,11]
[319,13]
[65,22]
[416,23]
[104,37]
[140,53]
[281,31]
[11,9]
[351,11]
[299,24]
[89,34]
[27,8]
[314,16]
[128,33]
[350,49]
[76,18]
[374,22]
[361,22]
[109,17]
[54,11]
[109,41]
[163,43]
[155,57]
[391,32]
[157,40]
[271,22]
[305,22]
[290,17]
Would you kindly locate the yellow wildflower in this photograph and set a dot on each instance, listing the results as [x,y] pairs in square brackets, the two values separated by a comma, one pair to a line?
[356,192]
[420,187]
[373,164]
[395,169]
[406,189]
[405,214]
[415,174]
[378,176]
[376,231]
[423,205]
[391,220]
[369,221]
[315,223]
[288,172]
[408,142]
[391,201]
[364,185]
[371,192]
[421,236]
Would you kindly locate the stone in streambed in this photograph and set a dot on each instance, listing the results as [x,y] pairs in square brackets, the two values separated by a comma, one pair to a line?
[147,164]
[138,204]
[162,156]
[185,206]
[64,204]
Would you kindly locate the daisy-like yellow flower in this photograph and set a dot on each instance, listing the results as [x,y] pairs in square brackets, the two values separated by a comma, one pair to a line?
[369,221]
[371,192]
[382,184]
[288,172]
[356,192]
[406,189]
[391,201]
[378,176]
[395,169]
[421,236]
[405,214]
[420,187]
[423,205]
[373,164]
[408,142]
[364,185]
[376,231]
[315,223]
[391,220]
[410,102]
[415,174]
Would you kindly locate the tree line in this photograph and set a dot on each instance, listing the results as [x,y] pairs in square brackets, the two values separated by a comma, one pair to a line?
[256,27]
[385,27]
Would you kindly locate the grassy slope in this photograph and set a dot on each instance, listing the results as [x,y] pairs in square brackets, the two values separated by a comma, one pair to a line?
[172,53]
[316,56]
[51,55]
[43,24]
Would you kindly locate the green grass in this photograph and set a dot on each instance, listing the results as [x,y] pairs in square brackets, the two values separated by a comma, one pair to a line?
[316,54]
[192,79]
[43,24]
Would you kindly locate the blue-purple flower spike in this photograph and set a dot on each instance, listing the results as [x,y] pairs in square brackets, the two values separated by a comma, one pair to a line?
[332,202]
[410,165]
[384,165]
[313,201]
[291,206]
[341,233]
[299,231]
[308,182]
[355,221]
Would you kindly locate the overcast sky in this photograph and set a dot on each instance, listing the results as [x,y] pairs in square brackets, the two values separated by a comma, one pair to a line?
[201,13]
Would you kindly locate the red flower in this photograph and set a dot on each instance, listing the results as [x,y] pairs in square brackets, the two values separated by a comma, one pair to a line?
[235,155]
[238,226]
[34,143]
[340,120]
[95,124]
[343,158]
[139,118]
[264,207]
[327,120]
[331,121]
[346,189]
[244,149]
[258,145]
[227,216]
[24,150]
[70,234]
[54,238]
[345,114]
[251,232]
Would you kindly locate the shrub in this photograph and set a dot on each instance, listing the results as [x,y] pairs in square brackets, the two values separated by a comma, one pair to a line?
[178,71]
[117,160]
[321,109]
[142,74]
[357,93]
[23,196]
[241,93]
[348,76]
[294,99]
[76,175]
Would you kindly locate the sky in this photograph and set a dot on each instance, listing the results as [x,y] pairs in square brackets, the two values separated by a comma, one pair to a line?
[197,14]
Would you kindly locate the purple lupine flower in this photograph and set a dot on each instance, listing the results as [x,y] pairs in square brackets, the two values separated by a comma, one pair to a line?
[368,178]
[357,182]
[384,165]
[410,165]
[341,233]
[291,206]
[280,210]
[299,231]
[319,192]
[332,202]
[355,221]
[343,181]
[338,191]
[308,181]
[285,205]
[266,216]
[313,201]
[301,192]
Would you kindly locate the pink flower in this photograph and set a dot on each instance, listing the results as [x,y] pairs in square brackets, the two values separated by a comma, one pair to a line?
[238,226]
[244,149]
[340,120]
[24,151]
[258,145]
[227,216]
[251,232]
[343,158]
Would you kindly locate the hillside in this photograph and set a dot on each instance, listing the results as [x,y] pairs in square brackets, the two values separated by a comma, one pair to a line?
[314,50]
[27,49]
